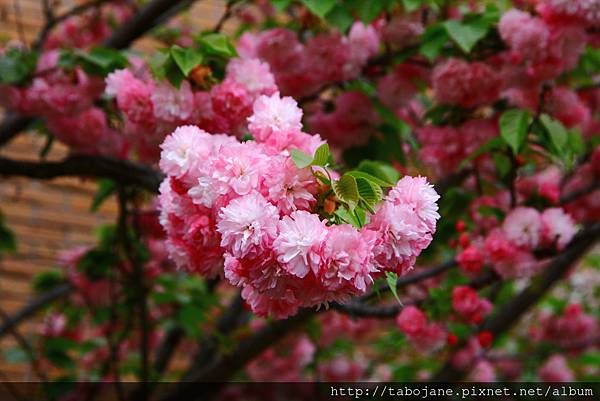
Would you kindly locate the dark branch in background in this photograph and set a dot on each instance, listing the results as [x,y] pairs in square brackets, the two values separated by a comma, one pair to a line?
[121,171]
[229,9]
[513,310]
[226,365]
[233,317]
[151,15]
[144,20]
[34,306]
[11,125]
[53,20]
[579,193]
[26,347]
[138,282]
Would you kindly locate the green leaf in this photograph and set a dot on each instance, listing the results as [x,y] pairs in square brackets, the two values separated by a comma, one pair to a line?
[45,281]
[433,40]
[346,216]
[513,128]
[369,192]
[346,190]
[57,351]
[17,66]
[558,133]
[281,5]
[391,278]
[340,17]
[189,317]
[380,170]
[8,242]
[301,159]
[590,358]
[491,211]
[411,5]
[321,157]
[186,59]
[97,263]
[106,188]
[217,44]
[368,10]
[101,60]
[371,178]
[502,163]
[319,7]
[466,35]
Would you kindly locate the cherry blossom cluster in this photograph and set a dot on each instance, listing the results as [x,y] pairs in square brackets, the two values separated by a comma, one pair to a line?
[422,333]
[300,69]
[509,248]
[248,209]
[90,27]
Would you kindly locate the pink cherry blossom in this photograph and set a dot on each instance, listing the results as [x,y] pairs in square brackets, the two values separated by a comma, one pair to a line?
[248,225]
[301,235]
[273,116]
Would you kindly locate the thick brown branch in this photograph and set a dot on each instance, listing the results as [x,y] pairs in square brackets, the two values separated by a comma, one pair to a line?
[121,171]
[11,126]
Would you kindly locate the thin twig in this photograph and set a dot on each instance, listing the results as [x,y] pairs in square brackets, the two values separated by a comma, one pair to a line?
[34,306]
[26,347]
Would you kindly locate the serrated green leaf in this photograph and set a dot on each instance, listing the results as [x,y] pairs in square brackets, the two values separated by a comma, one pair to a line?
[369,192]
[391,278]
[186,59]
[380,170]
[319,7]
[301,159]
[217,44]
[371,178]
[322,156]
[466,35]
[513,128]
[346,190]
[557,131]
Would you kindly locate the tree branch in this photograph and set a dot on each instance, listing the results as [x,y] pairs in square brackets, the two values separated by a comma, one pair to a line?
[121,171]
[226,365]
[34,306]
[513,310]
[145,19]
